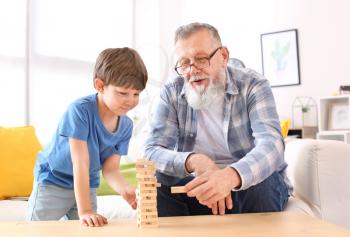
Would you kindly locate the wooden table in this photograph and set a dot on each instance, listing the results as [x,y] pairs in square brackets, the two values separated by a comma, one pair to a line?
[265,224]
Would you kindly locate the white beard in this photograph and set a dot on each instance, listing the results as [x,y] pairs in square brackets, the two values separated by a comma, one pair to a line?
[199,97]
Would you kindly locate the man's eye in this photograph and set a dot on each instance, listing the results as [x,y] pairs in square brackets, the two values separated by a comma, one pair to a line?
[184,64]
[201,60]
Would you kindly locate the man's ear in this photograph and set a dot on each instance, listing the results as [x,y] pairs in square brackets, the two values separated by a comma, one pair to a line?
[99,84]
[225,54]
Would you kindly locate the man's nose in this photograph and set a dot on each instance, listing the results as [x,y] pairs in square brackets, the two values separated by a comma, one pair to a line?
[194,69]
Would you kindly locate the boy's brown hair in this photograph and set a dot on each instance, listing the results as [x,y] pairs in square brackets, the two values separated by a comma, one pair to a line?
[121,67]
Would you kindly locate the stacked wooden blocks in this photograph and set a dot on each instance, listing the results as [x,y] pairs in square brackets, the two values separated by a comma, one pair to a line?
[147,215]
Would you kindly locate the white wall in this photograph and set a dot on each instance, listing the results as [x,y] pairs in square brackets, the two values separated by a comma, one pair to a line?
[323,27]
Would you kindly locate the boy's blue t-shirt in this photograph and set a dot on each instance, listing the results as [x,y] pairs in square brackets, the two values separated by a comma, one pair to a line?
[81,121]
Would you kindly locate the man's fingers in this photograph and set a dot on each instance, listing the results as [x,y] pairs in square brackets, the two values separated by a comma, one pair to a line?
[214,208]
[221,204]
[205,194]
[193,184]
[228,200]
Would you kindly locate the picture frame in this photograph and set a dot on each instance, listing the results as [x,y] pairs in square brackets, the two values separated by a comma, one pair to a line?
[339,116]
[280,57]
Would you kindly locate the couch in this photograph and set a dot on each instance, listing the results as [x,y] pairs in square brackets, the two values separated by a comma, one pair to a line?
[320,172]
[318,169]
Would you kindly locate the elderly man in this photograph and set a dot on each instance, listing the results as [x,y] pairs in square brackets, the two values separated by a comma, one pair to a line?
[216,131]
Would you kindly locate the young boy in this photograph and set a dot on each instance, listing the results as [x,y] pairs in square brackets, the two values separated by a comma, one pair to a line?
[92,135]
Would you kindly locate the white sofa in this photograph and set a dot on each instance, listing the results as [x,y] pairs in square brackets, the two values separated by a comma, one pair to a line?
[320,173]
[319,170]
[111,206]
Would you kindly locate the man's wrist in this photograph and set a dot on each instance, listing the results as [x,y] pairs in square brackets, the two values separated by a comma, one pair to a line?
[188,163]
[235,177]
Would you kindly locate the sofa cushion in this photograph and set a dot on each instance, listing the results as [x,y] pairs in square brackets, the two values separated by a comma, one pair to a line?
[18,152]
[319,170]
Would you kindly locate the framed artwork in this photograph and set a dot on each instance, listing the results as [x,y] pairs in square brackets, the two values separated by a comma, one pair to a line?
[339,116]
[280,57]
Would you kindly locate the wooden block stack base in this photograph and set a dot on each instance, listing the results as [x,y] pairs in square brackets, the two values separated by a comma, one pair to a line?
[146,193]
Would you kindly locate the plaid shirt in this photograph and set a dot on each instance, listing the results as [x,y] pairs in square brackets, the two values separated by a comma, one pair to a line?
[251,129]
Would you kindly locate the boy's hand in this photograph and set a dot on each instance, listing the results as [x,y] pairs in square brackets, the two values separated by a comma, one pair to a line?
[128,193]
[92,219]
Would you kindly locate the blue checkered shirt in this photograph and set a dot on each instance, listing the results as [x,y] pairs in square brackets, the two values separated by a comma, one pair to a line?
[251,129]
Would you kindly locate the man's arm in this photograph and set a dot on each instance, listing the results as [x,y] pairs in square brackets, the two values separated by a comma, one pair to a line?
[81,164]
[268,154]
[164,134]
[111,172]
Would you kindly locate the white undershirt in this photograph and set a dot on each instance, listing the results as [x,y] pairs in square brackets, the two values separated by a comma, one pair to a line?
[210,138]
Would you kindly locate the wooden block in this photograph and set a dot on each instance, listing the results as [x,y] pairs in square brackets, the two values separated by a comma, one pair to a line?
[146,205]
[140,162]
[142,198]
[147,209]
[178,189]
[148,189]
[153,214]
[147,225]
[145,201]
[145,176]
[145,168]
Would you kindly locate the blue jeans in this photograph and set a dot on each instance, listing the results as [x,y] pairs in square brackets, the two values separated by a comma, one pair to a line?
[271,195]
[51,202]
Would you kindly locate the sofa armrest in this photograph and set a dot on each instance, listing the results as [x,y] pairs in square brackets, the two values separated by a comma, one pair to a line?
[319,171]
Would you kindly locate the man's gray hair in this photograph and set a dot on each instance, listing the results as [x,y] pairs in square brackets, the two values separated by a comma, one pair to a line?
[185,31]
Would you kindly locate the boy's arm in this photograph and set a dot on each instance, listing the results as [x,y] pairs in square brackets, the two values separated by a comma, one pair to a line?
[81,164]
[111,172]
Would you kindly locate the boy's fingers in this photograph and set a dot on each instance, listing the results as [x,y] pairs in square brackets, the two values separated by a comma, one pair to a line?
[84,222]
[89,221]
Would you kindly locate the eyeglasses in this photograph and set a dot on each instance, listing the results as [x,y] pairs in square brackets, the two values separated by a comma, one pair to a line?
[199,63]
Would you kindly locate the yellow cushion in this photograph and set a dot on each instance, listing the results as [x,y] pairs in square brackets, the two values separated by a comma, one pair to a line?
[18,151]
[285,127]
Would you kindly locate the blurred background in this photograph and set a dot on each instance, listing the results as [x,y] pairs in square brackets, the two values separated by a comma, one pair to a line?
[48,48]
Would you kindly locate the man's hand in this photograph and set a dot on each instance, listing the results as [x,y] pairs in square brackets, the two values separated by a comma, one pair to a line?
[199,163]
[220,206]
[128,193]
[92,219]
[213,188]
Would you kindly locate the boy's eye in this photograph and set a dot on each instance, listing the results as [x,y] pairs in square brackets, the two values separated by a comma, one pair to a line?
[122,93]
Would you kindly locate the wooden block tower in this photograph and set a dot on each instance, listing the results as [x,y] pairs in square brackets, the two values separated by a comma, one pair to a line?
[147,215]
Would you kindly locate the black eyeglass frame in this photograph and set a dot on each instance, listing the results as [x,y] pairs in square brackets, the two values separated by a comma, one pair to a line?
[194,63]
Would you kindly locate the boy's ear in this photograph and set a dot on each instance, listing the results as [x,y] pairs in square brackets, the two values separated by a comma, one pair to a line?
[99,84]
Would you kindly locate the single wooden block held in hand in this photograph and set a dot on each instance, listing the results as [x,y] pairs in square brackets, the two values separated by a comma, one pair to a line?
[178,189]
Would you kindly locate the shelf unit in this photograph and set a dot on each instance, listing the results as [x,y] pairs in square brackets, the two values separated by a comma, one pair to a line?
[325,131]
[343,136]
